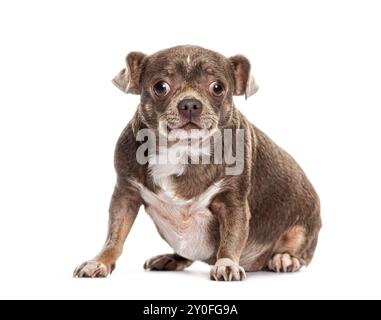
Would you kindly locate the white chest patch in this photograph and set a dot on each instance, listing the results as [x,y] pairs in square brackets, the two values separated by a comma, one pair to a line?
[168,162]
[172,161]
[189,63]
[182,223]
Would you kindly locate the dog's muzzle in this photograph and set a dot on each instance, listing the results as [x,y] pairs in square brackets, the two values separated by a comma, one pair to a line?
[190,112]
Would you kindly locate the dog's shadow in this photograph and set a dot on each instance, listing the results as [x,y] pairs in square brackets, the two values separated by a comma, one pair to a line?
[249,275]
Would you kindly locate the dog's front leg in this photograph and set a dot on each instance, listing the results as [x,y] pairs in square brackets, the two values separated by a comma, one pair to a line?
[233,215]
[123,211]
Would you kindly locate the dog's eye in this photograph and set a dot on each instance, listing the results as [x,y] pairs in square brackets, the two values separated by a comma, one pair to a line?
[216,89]
[161,88]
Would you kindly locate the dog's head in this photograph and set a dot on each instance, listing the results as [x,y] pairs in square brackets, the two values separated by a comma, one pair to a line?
[186,87]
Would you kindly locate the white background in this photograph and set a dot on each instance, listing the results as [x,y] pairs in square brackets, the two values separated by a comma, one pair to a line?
[318,64]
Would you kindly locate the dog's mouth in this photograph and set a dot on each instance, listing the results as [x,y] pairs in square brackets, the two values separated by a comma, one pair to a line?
[184,131]
[187,127]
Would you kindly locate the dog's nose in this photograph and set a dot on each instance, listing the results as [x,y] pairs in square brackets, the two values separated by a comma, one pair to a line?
[190,108]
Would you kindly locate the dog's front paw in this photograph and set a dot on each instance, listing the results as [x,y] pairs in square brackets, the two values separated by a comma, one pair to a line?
[92,269]
[227,270]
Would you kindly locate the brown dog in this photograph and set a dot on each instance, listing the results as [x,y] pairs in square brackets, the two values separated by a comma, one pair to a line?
[264,215]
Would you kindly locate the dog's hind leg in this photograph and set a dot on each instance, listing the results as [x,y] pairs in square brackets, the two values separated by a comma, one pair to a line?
[167,262]
[294,250]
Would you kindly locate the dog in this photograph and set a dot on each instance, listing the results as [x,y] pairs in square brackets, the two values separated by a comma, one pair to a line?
[262,215]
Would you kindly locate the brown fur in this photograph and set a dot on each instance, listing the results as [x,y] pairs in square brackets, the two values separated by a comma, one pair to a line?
[168,262]
[270,209]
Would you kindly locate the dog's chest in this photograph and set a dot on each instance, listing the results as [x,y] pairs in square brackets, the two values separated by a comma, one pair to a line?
[184,224]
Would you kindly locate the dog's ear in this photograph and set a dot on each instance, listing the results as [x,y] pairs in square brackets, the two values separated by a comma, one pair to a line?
[244,82]
[128,80]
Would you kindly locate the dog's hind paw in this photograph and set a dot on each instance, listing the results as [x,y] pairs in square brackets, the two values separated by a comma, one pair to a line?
[284,263]
[167,262]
